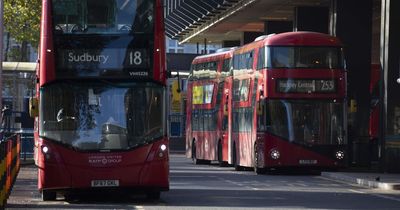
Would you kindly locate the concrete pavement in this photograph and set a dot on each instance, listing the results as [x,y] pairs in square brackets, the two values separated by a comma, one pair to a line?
[381,181]
[372,180]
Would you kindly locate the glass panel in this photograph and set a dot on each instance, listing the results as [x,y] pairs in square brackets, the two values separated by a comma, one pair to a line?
[225,123]
[210,120]
[304,57]
[95,116]
[195,121]
[243,61]
[226,67]
[261,58]
[305,122]
[242,119]
[204,70]
[220,94]
[107,38]
[202,94]
[103,17]
[241,89]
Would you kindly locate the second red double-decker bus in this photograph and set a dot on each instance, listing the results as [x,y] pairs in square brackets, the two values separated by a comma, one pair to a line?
[101,92]
[208,120]
[289,102]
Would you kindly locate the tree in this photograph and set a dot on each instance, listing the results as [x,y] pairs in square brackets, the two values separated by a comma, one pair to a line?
[22,21]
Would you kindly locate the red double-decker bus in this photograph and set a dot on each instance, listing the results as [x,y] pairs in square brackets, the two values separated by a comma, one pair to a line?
[101,86]
[289,103]
[208,122]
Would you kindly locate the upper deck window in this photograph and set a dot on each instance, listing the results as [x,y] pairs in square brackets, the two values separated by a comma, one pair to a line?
[304,57]
[204,70]
[226,66]
[103,17]
[243,61]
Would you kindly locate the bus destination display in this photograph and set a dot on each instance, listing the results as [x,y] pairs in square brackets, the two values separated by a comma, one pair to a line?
[100,62]
[306,86]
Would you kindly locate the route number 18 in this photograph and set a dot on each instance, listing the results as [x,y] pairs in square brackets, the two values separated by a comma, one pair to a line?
[135,58]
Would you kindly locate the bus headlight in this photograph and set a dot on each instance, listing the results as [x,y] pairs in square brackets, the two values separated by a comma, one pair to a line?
[45,149]
[339,155]
[46,152]
[163,147]
[275,154]
[162,150]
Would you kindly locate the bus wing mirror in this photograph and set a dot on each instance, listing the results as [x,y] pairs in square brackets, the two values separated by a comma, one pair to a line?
[33,107]
[169,74]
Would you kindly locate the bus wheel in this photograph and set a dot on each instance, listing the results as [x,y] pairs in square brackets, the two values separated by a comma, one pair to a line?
[153,195]
[234,160]
[197,161]
[256,159]
[48,195]
[220,161]
[194,158]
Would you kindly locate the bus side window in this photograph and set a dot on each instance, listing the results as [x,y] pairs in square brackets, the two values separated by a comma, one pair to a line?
[267,117]
[261,122]
[263,116]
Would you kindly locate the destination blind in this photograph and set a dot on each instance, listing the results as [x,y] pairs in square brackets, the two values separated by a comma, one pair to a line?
[306,86]
[103,62]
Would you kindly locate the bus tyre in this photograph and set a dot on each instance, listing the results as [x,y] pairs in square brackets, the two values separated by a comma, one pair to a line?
[153,195]
[195,160]
[220,161]
[194,156]
[234,160]
[257,169]
[48,195]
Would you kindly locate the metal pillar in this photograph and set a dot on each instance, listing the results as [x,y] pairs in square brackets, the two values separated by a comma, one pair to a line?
[354,28]
[390,86]
[249,37]
[275,26]
[311,19]
[205,46]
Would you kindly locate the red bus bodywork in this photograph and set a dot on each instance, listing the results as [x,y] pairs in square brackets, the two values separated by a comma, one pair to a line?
[208,144]
[62,168]
[255,145]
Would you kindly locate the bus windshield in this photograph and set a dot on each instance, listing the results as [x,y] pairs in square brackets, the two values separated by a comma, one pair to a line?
[97,116]
[302,122]
[103,17]
[304,57]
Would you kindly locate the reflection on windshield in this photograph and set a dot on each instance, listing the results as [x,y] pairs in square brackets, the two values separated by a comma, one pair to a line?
[96,116]
[320,122]
[106,16]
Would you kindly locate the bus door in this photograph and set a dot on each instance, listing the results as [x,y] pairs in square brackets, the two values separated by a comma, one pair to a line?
[225,121]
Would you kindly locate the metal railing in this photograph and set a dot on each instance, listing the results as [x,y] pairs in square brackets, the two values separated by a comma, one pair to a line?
[27,143]
[177,124]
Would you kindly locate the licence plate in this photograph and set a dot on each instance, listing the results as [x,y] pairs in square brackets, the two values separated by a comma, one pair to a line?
[308,162]
[105,183]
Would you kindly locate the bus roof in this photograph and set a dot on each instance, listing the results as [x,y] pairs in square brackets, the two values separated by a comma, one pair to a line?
[305,38]
[222,53]
[298,38]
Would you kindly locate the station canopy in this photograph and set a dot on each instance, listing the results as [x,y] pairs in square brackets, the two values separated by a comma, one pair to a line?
[194,21]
